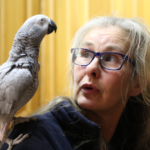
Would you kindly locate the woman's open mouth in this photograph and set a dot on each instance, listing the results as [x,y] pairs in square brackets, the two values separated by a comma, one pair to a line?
[89,89]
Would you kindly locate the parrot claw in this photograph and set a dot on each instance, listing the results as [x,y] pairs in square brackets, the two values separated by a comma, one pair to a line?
[16,141]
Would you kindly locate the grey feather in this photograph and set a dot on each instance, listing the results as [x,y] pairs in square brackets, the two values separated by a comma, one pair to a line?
[19,75]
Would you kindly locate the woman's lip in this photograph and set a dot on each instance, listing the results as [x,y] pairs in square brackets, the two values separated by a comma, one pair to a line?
[89,89]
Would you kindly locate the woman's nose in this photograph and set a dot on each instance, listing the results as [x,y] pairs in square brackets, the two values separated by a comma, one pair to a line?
[93,69]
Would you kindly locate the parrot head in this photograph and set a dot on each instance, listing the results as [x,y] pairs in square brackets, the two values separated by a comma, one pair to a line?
[35,28]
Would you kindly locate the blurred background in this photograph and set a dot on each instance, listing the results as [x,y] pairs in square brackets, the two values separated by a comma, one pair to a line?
[69,15]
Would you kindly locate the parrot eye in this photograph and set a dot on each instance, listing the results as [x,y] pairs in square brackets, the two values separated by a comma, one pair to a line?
[42,20]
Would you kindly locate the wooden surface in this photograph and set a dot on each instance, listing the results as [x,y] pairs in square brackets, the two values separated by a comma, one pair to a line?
[69,16]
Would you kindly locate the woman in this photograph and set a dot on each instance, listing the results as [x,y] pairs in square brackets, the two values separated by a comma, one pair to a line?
[109,109]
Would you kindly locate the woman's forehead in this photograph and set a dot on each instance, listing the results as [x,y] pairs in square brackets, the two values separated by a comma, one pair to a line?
[109,36]
[104,31]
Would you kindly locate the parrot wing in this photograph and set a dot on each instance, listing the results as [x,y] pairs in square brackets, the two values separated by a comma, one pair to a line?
[13,84]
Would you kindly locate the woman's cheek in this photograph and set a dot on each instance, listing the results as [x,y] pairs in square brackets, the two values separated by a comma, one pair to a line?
[79,73]
[78,76]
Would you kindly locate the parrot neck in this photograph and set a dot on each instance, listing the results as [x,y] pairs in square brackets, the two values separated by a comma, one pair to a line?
[20,49]
[32,51]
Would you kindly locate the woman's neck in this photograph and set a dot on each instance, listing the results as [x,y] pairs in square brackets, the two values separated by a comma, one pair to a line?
[107,122]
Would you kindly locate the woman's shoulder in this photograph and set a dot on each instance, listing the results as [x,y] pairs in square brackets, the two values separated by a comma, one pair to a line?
[61,128]
[47,131]
[41,133]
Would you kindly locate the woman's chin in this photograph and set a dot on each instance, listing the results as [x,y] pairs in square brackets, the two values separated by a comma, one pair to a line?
[85,103]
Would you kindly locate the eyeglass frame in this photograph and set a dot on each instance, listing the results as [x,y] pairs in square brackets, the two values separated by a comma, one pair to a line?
[124,57]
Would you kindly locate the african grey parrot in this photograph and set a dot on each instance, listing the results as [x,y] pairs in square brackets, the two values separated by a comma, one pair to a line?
[19,74]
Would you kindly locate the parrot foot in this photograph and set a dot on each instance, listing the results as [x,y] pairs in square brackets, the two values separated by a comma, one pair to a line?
[16,141]
[17,120]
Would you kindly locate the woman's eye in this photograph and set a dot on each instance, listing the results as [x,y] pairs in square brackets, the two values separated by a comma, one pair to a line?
[85,55]
[110,58]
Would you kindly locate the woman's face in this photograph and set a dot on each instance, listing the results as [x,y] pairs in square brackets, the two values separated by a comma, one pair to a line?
[107,88]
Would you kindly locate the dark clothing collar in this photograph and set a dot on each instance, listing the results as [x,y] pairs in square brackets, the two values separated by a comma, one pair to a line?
[128,128]
[76,127]
[73,123]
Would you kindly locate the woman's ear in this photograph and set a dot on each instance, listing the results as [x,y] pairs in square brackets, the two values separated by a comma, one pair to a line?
[135,90]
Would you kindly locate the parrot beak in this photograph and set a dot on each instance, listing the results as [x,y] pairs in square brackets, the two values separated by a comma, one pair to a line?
[52,26]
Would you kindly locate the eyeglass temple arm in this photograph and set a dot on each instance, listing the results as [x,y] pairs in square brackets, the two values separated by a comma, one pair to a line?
[130,60]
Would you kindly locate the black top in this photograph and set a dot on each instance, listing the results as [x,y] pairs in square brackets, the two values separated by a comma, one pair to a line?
[64,128]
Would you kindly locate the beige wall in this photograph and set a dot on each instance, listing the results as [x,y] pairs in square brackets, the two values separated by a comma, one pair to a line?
[69,15]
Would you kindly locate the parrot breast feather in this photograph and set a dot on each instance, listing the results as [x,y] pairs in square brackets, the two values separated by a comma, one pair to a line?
[12,87]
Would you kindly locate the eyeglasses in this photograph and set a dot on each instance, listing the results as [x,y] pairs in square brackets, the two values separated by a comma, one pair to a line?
[108,60]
